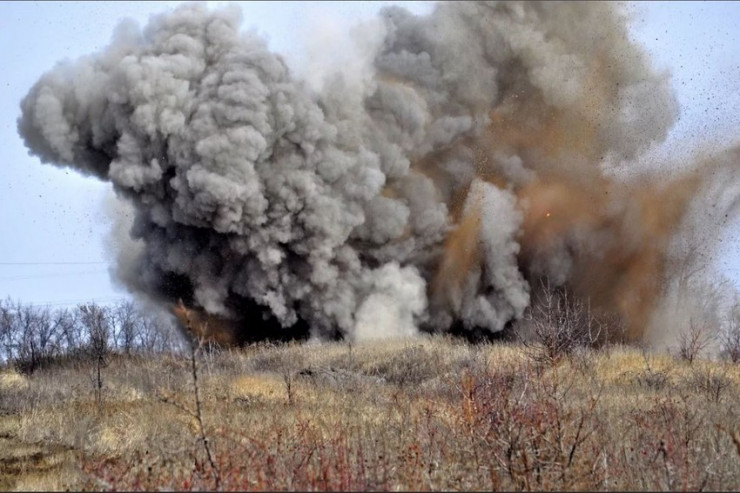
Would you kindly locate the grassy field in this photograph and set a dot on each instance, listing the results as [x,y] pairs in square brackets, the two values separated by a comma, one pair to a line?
[423,414]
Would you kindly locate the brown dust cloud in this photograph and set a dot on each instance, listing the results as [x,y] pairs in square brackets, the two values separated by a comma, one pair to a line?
[465,159]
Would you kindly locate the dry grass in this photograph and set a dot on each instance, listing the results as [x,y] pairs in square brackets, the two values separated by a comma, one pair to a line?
[429,413]
[11,380]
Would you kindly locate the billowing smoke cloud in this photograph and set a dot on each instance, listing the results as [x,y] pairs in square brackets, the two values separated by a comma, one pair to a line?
[428,192]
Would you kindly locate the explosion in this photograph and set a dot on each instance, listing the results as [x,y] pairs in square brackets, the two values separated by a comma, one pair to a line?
[436,192]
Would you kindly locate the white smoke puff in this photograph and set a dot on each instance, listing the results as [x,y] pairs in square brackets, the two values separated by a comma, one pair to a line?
[338,62]
[497,292]
[397,299]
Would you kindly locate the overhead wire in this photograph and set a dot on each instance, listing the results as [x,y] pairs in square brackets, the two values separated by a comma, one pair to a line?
[54,274]
[52,263]
[75,301]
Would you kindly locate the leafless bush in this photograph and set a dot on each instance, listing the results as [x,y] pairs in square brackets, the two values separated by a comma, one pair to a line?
[561,323]
[730,338]
[731,345]
[196,347]
[694,341]
[651,378]
[711,382]
[413,365]
[199,414]
[667,436]
[538,437]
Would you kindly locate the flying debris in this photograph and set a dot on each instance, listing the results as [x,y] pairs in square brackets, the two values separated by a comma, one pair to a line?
[432,194]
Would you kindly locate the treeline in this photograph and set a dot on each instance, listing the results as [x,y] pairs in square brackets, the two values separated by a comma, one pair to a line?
[33,336]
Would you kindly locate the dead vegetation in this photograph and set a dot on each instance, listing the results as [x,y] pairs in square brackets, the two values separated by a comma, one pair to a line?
[429,413]
[560,410]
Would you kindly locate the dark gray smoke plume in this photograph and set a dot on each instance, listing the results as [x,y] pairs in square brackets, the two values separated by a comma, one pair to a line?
[465,166]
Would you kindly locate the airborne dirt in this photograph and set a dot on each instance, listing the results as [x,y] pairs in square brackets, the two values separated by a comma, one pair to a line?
[469,159]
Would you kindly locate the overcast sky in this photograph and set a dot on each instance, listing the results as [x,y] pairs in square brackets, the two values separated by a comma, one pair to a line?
[52,224]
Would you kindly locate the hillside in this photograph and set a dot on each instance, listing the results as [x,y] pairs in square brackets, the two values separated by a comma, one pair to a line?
[430,413]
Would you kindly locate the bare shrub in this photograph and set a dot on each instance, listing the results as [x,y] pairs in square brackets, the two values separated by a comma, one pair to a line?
[197,412]
[561,323]
[651,378]
[412,365]
[731,345]
[730,338]
[694,341]
[711,382]
[350,360]
[670,434]
[539,435]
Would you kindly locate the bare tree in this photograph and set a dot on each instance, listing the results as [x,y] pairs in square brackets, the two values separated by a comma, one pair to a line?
[31,336]
[46,335]
[96,320]
[36,339]
[127,323]
[26,325]
[69,330]
[7,329]
[153,335]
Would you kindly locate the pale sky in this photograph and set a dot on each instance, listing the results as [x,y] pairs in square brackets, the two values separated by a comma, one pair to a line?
[52,224]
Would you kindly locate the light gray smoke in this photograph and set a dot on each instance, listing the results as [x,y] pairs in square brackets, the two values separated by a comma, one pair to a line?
[379,205]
